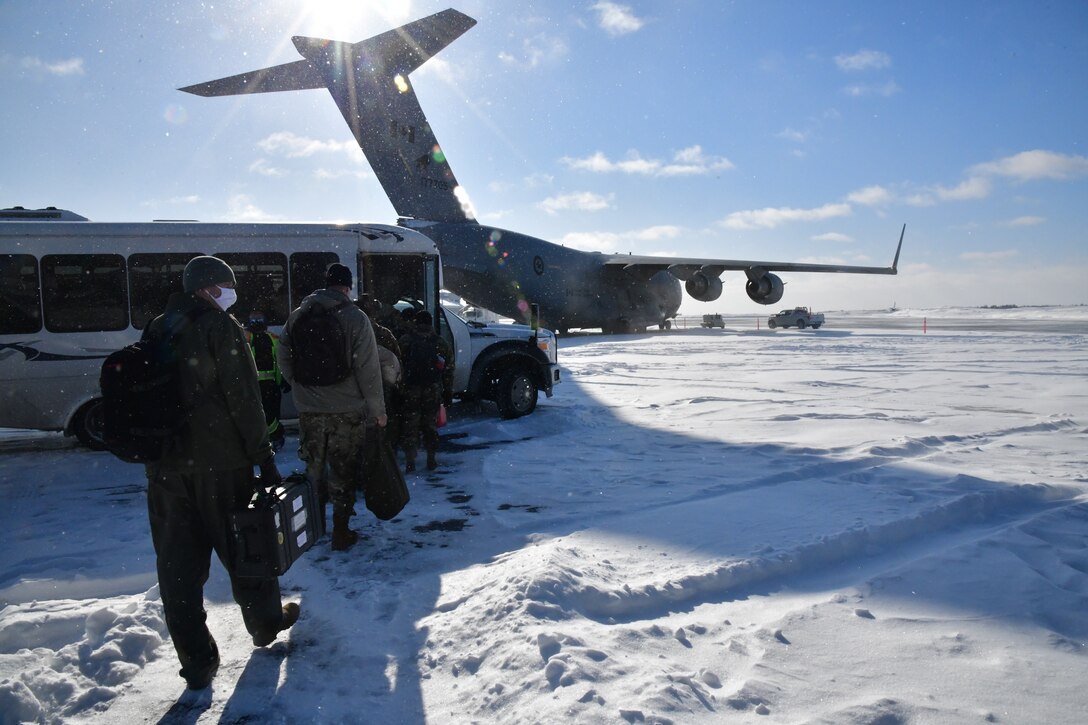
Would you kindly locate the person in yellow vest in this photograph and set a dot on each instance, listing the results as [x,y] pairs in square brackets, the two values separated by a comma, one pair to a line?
[263,344]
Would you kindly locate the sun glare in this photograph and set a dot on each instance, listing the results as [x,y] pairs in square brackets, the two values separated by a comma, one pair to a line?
[334,18]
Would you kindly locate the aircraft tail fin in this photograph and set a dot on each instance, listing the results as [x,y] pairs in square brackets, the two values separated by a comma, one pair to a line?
[369,82]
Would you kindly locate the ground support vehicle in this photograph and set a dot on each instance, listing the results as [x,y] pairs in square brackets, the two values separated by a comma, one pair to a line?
[713,321]
[799,317]
[508,364]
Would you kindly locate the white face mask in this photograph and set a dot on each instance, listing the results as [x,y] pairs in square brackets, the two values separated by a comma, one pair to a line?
[227,297]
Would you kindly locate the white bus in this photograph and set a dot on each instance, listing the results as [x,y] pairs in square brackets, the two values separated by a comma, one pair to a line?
[73,291]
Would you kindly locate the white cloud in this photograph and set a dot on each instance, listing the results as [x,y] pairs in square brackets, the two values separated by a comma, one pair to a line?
[988,256]
[262,167]
[592,241]
[285,143]
[870,196]
[1025,221]
[437,67]
[615,241]
[975,187]
[189,199]
[1036,164]
[533,181]
[578,201]
[792,134]
[657,233]
[863,60]
[770,218]
[616,19]
[240,208]
[69,67]
[857,90]
[333,174]
[832,237]
[689,161]
[537,50]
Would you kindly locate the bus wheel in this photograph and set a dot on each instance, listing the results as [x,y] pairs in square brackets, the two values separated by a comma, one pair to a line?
[87,425]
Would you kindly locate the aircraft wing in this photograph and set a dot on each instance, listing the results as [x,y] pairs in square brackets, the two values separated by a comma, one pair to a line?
[684,267]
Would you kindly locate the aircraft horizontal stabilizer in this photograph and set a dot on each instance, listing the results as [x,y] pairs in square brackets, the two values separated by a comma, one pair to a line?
[297,76]
[396,51]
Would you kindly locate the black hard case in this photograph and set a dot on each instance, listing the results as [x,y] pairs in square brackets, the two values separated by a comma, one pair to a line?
[277,527]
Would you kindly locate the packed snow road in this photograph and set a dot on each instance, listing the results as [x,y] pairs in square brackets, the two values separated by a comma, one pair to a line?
[852,526]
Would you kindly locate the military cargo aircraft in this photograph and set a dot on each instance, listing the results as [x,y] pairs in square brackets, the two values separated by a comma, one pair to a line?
[493,268]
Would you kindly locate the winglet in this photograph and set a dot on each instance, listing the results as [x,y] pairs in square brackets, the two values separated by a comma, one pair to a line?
[895,262]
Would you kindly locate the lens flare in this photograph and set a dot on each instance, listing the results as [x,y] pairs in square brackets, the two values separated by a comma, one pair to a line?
[401,83]
[175,114]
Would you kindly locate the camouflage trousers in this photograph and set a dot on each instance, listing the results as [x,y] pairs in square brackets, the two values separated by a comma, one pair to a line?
[332,445]
[419,411]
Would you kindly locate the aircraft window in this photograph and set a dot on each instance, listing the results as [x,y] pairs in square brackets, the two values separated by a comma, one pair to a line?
[84,292]
[261,284]
[308,273]
[20,310]
[152,278]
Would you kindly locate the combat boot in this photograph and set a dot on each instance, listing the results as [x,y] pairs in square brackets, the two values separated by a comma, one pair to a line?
[432,462]
[343,538]
[409,461]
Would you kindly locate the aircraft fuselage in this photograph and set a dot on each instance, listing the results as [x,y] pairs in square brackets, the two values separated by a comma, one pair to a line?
[506,271]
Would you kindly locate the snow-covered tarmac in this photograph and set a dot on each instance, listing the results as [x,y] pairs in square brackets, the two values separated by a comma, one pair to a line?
[858,524]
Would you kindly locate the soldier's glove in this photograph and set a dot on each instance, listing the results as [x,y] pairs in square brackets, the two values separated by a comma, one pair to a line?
[270,475]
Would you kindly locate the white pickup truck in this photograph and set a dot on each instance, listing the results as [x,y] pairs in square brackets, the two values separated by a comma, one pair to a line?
[799,317]
[505,363]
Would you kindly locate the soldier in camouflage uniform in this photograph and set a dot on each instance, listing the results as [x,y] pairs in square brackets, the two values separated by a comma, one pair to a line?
[428,370]
[206,471]
[333,418]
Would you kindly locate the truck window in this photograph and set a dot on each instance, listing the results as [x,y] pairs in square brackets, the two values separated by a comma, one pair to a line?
[152,278]
[20,310]
[84,292]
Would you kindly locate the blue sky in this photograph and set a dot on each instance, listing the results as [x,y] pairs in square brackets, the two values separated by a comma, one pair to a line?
[751,130]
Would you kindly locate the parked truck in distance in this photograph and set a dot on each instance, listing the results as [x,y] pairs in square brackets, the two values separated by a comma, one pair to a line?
[713,321]
[799,317]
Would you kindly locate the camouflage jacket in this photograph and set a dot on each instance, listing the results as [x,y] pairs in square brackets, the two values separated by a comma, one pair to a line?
[226,427]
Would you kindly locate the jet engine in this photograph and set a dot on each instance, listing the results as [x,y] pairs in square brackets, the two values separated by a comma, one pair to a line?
[766,289]
[704,287]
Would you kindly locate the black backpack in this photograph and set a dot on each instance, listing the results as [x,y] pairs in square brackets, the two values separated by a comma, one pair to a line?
[141,396]
[319,346]
[263,353]
[423,360]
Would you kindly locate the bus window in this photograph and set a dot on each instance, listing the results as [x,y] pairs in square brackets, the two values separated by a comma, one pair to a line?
[261,284]
[308,273]
[20,311]
[390,277]
[152,278]
[84,292]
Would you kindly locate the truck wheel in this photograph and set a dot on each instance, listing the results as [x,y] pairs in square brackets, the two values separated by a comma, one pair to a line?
[516,394]
[816,326]
[800,324]
[772,324]
[87,425]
